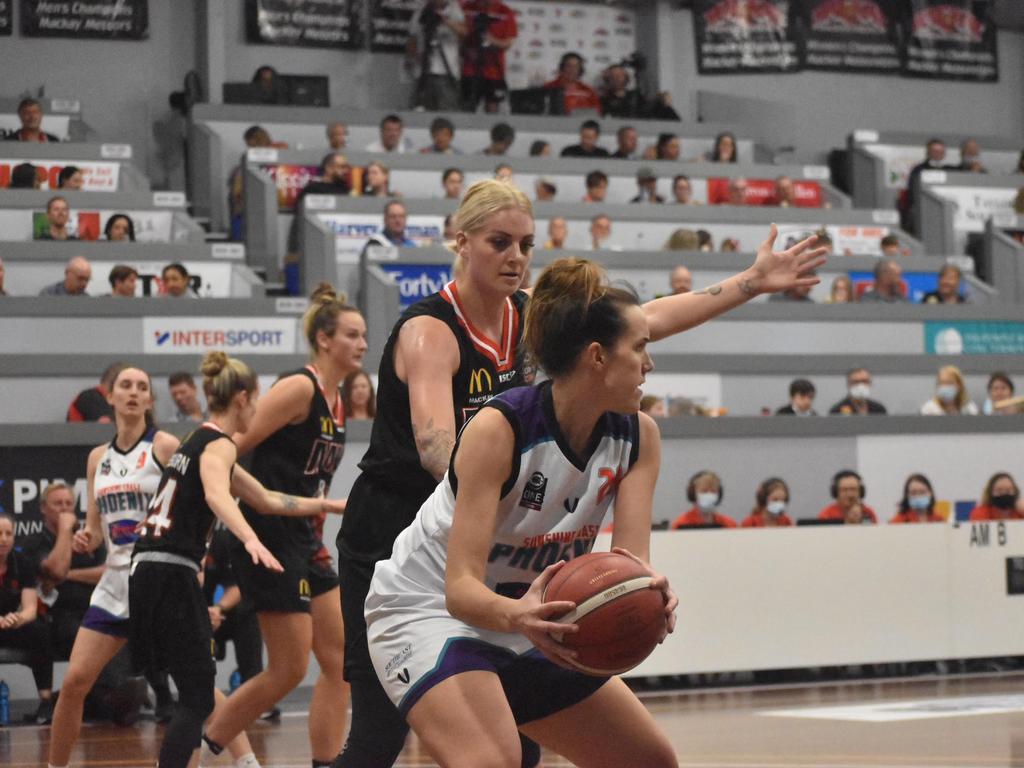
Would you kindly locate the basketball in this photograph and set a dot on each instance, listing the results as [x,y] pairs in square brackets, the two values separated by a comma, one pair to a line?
[620,617]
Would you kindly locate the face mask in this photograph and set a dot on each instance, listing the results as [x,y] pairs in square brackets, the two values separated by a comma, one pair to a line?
[919,501]
[947,392]
[986,407]
[1005,501]
[860,391]
[775,507]
[707,502]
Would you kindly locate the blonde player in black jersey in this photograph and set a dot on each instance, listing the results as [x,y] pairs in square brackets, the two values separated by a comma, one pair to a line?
[170,624]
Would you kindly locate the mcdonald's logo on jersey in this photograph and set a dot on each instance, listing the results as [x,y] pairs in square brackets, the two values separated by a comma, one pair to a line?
[477,379]
[305,593]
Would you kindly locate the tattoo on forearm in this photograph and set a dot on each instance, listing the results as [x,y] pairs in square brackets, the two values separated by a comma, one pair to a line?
[435,447]
[747,286]
[290,503]
[712,290]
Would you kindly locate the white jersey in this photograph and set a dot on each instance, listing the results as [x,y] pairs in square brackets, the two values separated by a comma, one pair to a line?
[125,483]
[551,509]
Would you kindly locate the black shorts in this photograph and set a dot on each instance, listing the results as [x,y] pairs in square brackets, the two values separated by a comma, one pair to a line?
[170,623]
[289,592]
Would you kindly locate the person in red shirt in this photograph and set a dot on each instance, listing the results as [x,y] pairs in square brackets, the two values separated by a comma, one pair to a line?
[575,93]
[30,112]
[918,502]
[772,497]
[491,29]
[705,493]
[847,489]
[999,499]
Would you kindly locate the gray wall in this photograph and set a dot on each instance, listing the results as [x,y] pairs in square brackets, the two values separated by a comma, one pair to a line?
[123,86]
[825,107]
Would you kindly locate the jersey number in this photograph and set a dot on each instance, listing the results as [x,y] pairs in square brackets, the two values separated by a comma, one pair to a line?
[159,519]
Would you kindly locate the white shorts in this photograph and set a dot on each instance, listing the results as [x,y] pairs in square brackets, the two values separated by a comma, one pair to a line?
[111,592]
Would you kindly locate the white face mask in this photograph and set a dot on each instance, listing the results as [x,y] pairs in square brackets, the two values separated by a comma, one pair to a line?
[860,391]
[775,507]
[707,502]
[946,392]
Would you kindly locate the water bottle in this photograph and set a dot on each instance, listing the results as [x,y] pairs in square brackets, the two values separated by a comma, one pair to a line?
[235,680]
[5,703]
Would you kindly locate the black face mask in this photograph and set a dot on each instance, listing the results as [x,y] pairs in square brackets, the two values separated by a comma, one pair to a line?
[1006,501]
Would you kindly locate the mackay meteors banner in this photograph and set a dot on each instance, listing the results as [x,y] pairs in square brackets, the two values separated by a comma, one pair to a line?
[6,16]
[850,35]
[107,19]
[951,40]
[309,23]
[736,36]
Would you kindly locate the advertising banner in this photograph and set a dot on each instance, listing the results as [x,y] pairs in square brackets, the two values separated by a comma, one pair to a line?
[742,36]
[353,230]
[6,17]
[389,24]
[311,24]
[951,40]
[850,36]
[235,335]
[762,192]
[417,281]
[973,338]
[25,471]
[110,20]
[290,180]
[915,284]
[150,226]
[97,176]
[976,205]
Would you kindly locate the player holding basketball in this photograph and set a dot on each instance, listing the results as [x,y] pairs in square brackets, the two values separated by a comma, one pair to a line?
[457,630]
[446,356]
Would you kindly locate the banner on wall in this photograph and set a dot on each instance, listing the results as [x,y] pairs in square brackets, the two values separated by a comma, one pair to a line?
[973,338]
[850,36]
[311,23]
[6,17]
[197,335]
[389,24]
[353,230]
[976,205]
[417,281]
[107,19]
[97,176]
[290,181]
[951,40]
[807,194]
[25,471]
[741,36]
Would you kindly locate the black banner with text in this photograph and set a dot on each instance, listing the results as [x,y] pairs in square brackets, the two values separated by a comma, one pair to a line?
[951,40]
[6,17]
[311,24]
[105,19]
[26,470]
[389,23]
[850,36]
[740,36]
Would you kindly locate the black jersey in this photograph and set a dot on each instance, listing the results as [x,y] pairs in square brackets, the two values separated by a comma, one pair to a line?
[300,460]
[179,521]
[486,367]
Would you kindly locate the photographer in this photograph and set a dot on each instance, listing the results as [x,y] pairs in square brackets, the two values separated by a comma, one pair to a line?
[491,29]
[435,33]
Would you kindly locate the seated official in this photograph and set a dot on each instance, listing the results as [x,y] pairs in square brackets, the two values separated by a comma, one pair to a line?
[918,502]
[772,501]
[704,491]
[847,489]
[999,500]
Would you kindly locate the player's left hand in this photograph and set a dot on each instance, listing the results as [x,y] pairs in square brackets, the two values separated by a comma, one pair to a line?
[262,556]
[775,271]
[658,581]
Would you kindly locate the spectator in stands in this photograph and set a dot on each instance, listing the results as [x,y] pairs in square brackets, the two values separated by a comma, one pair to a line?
[377,181]
[30,113]
[358,396]
[935,157]
[999,499]
[597,187]
[680,279]
[653,406]
[575,93]
[888,287]
[70,177]
[951,398]
[725,148]
[891,248]
[503,172]
[491,30]
[19,627]
[729,245]
[647,186]
[435,32]
[91,404]
[176,282]
[948,290]
[737,192]
[617,99]
[704,491]
[970,157]
[119,228]
[77,274]
[393,232]
[270,88]
[255,137]
[704,237]
[682,192]
[545,189]
[590,132]
[841,291]
[771,499]
[682,239]
[502,137]
[600,233]
[800,294]
[626,137]
[1000,388]
[785,192]
[57,215]
[337,135]
[801,399]
[123,280]
[540,148]
[668,147]
[558,230]
[858,400]
[824,241]
[25,176]
[442,132]
[334,179]
[185,396]
[448,235]
[661,107]
[391,138]
[3,272]
[918,502]
[1020,163]
[847,489]
[451,181]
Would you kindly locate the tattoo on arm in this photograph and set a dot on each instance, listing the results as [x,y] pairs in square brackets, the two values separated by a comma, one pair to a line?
[435,447]
[290,503]
[712,290]
[747,286]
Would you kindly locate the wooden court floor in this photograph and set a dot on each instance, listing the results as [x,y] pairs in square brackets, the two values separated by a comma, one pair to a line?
[955,722]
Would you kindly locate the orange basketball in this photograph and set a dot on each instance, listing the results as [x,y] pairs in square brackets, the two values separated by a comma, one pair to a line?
[620,617]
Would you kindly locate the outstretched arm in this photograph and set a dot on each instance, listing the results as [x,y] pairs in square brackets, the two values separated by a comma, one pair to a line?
[266,502]
[771,272]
